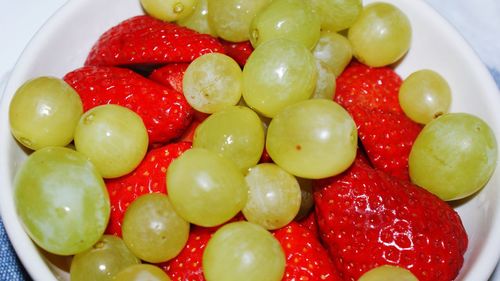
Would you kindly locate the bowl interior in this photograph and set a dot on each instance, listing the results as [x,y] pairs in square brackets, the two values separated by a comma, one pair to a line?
[64,41]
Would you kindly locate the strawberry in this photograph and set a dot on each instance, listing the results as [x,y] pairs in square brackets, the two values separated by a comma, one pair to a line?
[368,218]
[146,40]
[170,75]
[165,112]
[306,259]
[309,222]
[148,177]
[238,51]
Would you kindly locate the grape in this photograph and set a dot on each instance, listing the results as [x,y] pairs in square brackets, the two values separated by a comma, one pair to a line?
[278,73]
[142,272]
[44,112]
[169,10]
[152,230]
[273,197]
[231,18]
[453,156]
[287,19]
[381,35]
[312,139]
[236,133]
[306,198]
[212,82]
[198,19]
[334,50]
[388,273]
[205,188]
[113,137]
[424,95]
[325,84]
[337,15]
[243,251]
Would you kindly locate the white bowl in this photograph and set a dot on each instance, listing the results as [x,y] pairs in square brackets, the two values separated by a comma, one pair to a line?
[64,41]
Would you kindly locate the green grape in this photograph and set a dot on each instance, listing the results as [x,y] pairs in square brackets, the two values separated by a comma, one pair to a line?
[61,200]
[169,10]
[306,198]
[325,84]
[142,272]
[286,19]
[205,188]
[236,133]
[337,15]
[44,112]
[198,19]
[113,137]
[212,82]
[334,50]
[231,18]
[273,197]
[243,251]
[453,156]
[152,229]
[313,139]
[424,95]
[277,74]
[381,35]
[103,261]
[388,273]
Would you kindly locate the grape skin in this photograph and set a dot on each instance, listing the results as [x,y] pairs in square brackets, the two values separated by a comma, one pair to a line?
[169,10]
[388,272]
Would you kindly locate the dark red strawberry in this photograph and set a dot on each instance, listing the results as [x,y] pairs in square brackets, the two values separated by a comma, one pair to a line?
[238,51]
[165,112]
[148,177]
[170,75]
[145,40]
[310,223]
[368,218]
[306,259]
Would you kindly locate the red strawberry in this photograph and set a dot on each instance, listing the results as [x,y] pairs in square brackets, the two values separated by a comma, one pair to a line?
[310,223]
[145,40]
[306,259]
[170,75]
[165,112]
[368,218]
[238,51]
[148,177]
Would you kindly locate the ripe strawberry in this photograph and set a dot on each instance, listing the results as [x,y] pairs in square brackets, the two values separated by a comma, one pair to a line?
[165,112]
[310,223]
[306,259]
[238,51]
[148,177]
[145,40]
[170,75]
[368,218]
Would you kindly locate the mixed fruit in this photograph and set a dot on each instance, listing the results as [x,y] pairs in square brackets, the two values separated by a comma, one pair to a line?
[249,140]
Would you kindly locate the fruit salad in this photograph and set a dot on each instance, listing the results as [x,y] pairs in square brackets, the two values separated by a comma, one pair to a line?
[249,140]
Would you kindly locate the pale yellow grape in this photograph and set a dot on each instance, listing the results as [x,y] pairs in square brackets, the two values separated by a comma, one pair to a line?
[113,137]
[198,19]
[286,19]
[169,10]
[425,95]
[142,272]
[388,273]
[381,35]
[453,156]
[337,15]
[312,139]
[236,133]
[44,112]
[205,188]
[212,82]
[279,73]
[273,197]
[231,18]
[325,84]
[334,50]
[152,229]
[243,251]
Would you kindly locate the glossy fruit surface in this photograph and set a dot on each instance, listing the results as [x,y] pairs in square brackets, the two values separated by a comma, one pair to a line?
[169,10]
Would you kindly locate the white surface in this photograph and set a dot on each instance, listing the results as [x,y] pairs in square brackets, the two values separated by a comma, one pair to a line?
[20,19]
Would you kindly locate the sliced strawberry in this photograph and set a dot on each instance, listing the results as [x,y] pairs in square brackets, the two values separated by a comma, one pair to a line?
[238,51]
[170,75]
[367,218]
[165,112]
[146,40]
[148,177]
